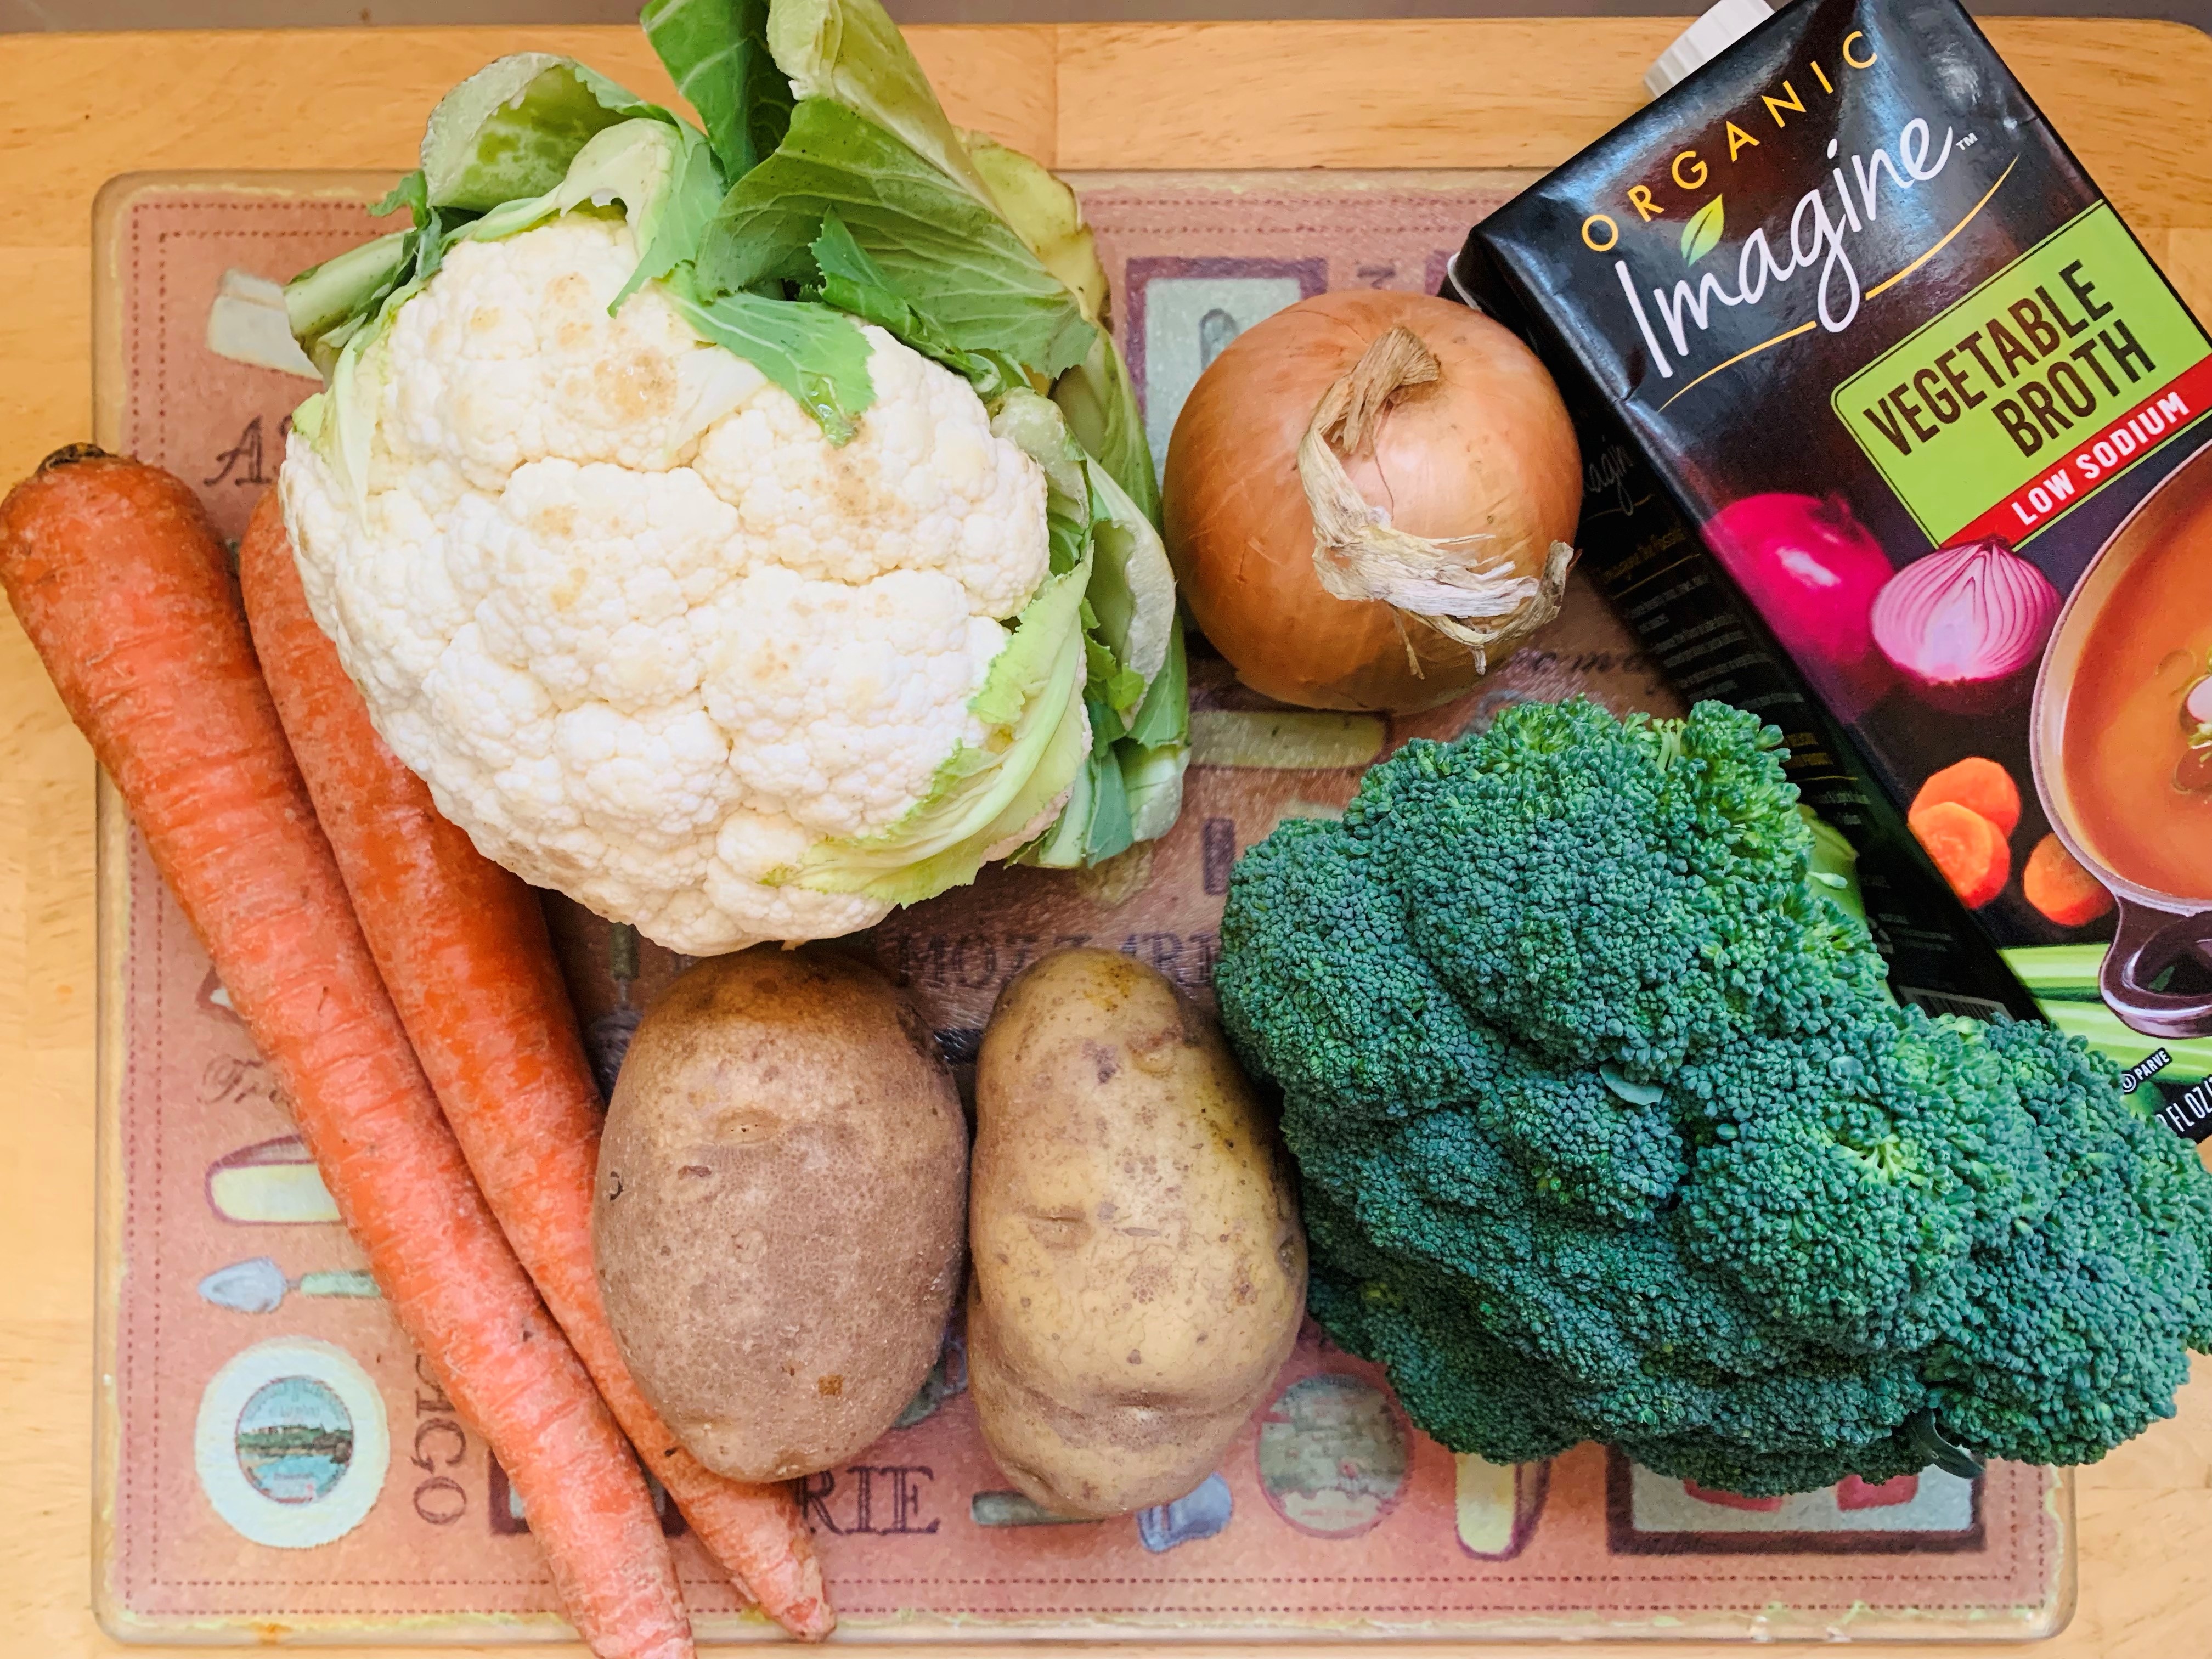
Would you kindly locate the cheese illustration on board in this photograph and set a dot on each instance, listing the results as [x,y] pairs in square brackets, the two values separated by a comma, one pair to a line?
[271,1183]
[1495,1506]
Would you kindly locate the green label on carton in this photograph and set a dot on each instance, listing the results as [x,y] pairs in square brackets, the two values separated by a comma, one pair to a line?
[2035,389]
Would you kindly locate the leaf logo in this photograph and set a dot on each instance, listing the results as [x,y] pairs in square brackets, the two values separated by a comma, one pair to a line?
[1703,233]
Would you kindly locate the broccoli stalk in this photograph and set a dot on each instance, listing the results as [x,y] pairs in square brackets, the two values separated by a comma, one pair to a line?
[1608,1129]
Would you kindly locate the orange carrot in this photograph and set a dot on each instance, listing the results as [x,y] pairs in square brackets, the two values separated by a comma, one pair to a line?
[1979,785]
[120,583]
[1967,847]
[464,951]
[2059,887]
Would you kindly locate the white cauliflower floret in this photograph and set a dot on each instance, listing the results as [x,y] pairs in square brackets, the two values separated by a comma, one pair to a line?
[508,357]
[842,701]
[600,580]
[646,635]
[924,484]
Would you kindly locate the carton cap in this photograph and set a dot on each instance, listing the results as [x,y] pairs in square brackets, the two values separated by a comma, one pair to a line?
[1707,39]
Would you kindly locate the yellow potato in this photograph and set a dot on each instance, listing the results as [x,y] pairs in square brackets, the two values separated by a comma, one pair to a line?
[1139,1271]
[778,1218]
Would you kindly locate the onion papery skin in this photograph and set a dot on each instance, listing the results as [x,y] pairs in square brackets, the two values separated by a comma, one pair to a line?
[1487,450]
[1965,627]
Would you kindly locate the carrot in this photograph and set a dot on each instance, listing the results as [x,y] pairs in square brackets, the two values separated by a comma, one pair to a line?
[121,585]
[465,952]
[2057,885]
[1967,847]
[1979,785]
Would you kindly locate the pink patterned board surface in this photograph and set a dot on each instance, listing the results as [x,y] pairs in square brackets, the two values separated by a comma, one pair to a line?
[275,1467]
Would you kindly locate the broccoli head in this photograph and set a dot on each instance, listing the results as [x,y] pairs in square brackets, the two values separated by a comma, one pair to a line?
[1609,1130]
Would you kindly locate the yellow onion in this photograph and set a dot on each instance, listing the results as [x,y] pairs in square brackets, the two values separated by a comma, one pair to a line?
[1371,499]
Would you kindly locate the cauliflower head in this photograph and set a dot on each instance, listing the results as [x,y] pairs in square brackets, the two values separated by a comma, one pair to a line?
[736,542]
[645,631]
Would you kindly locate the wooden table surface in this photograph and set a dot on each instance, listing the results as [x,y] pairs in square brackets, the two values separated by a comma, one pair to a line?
[76,110]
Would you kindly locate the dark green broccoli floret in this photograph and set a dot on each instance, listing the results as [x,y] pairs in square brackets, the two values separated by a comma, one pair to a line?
[1844,1178]
[1604,1157]
[1343,1003]
[1611,890]
[1609,1130]
[2075,1331]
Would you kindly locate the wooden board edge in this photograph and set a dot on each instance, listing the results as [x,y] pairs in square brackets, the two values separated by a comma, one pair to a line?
[112,934]
[2066,1589]
[111,940]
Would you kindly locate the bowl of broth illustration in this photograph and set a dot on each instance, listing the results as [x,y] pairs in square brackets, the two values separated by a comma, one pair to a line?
[2121,732]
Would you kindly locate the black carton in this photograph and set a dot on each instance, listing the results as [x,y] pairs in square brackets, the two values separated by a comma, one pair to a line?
[1895,435]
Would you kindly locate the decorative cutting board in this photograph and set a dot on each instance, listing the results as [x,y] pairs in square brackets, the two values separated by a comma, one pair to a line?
[272,1464]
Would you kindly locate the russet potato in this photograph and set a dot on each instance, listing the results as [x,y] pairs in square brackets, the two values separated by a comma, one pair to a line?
[778,1221]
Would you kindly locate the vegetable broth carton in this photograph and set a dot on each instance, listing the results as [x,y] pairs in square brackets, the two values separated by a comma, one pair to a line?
[1895,435]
